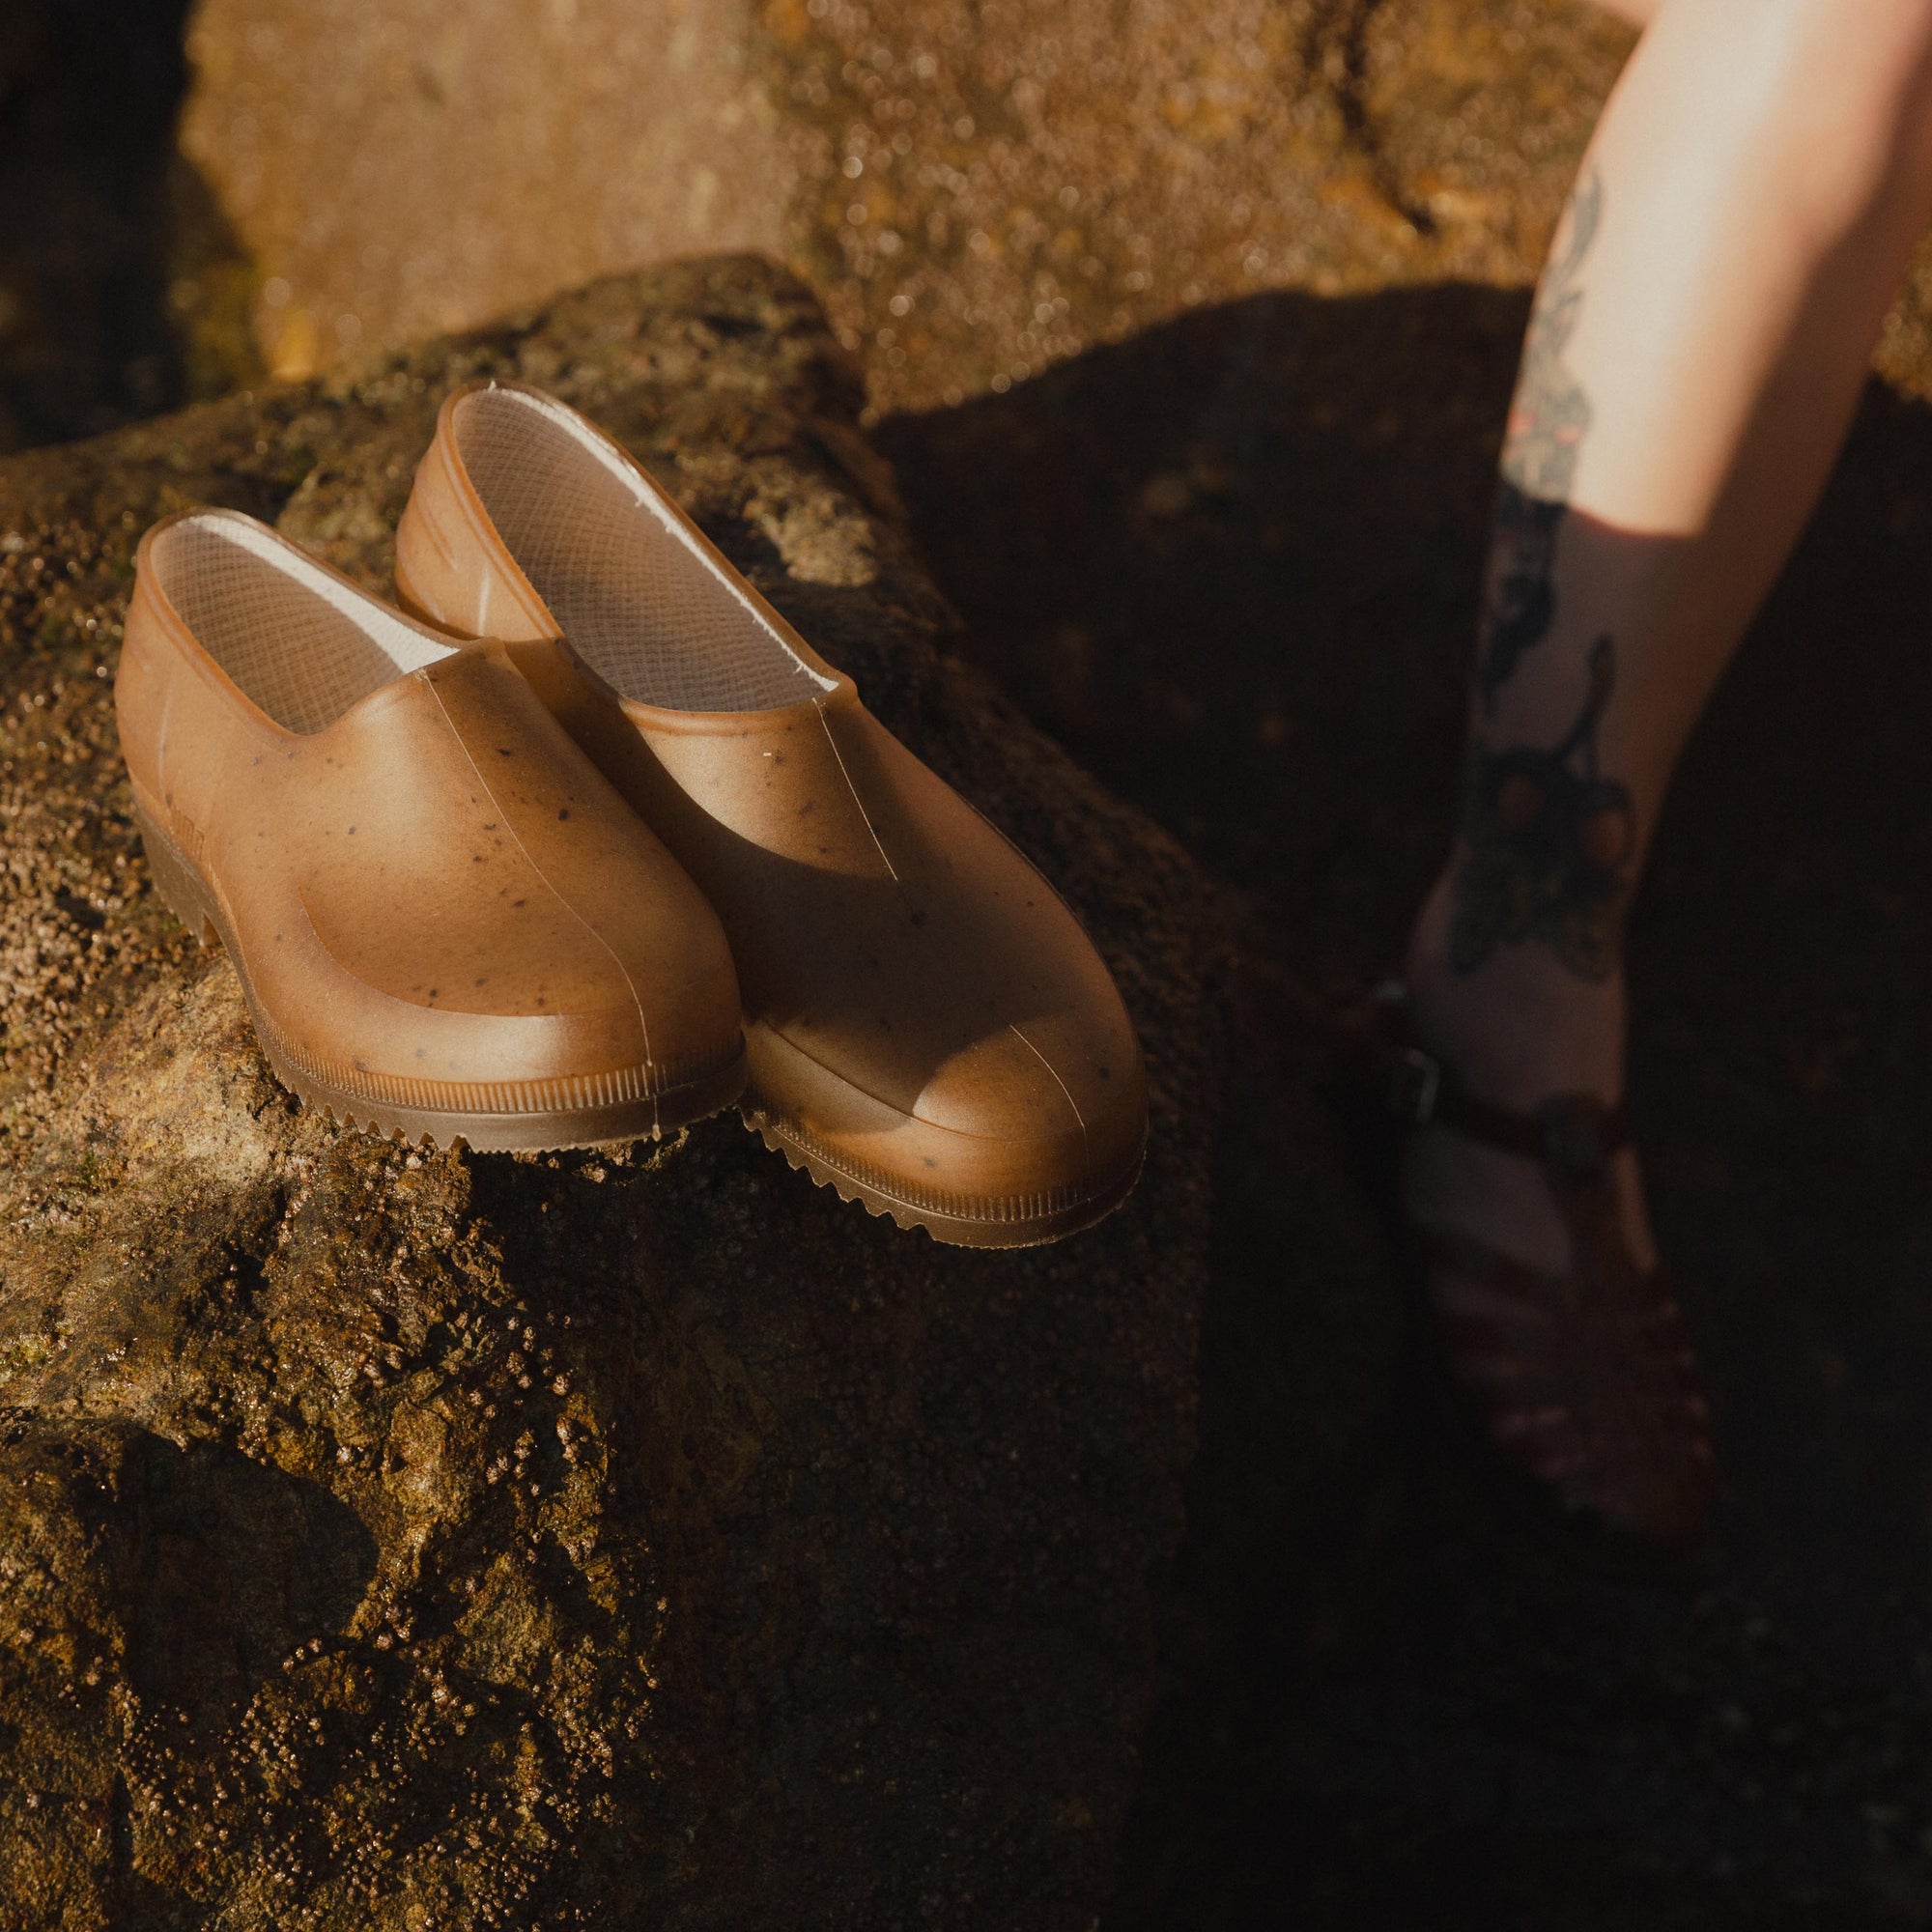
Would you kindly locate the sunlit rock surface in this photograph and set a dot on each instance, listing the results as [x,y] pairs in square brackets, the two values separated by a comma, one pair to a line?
[410,167]
[977,187]
[392,1540]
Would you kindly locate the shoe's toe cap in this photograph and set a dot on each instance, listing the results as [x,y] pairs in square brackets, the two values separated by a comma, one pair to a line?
[1021,1130]
[1047,1104]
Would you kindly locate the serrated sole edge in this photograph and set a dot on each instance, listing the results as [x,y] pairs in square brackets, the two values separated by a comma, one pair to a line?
[949,1230]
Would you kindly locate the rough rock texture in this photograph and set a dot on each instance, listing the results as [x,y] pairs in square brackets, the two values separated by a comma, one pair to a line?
[537,143]
[392,1540]
[978,187]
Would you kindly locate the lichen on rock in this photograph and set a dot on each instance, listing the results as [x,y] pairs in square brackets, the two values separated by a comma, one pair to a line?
[400,1539]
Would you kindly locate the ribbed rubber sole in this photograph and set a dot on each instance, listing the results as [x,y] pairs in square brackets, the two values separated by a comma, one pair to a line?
[642,1115]
[987,1224]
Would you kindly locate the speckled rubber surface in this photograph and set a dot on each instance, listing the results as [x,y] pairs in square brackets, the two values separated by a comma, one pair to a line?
[647,1117]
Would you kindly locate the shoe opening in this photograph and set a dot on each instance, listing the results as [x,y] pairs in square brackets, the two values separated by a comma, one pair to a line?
[301,642]
[641,603]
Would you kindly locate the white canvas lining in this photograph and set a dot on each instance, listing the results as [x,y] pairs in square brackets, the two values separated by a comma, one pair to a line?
[301,642]
[637,598]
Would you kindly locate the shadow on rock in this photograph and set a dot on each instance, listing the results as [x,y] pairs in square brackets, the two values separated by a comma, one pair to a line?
[1233,564]
[1230,562]
[240,1562]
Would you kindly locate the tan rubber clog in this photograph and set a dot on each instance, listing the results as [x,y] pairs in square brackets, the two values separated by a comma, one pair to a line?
[929,1030]
[445,921]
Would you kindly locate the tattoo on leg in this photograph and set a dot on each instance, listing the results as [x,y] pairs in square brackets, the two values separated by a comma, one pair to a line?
[1548,842]
[1549,419]
[1548,838]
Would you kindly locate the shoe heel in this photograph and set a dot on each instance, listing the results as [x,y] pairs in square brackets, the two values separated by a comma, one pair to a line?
[180,891]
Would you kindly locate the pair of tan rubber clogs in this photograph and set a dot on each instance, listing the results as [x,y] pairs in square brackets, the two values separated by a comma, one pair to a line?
[592,844]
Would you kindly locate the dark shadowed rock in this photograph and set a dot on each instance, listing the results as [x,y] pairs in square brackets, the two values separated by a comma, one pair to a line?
[391,1539]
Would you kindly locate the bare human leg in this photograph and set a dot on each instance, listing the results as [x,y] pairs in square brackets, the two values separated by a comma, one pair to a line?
[1741,223]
